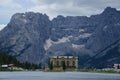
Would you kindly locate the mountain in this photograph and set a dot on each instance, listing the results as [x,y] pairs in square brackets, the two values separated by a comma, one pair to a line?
[108,30]
[34,38]
[25,35]
[106,58]
[105,40]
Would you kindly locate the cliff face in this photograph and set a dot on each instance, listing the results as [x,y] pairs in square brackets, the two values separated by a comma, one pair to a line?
[105,40]
[106,58]
[107,32]
[33,37]
[25,35]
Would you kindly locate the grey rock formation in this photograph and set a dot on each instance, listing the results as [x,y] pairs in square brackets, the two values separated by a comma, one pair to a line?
[25,35]
[34,38]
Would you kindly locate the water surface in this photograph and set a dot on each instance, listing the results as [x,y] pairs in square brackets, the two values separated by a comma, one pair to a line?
[57,76]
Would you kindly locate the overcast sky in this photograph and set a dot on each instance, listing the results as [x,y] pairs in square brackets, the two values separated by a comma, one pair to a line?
[54,7]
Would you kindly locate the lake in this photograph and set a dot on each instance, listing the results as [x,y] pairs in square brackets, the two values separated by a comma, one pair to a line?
[36,75]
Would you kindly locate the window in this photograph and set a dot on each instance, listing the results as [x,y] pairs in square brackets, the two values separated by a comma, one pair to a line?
[57,63]
[73,63]
[62,62]
[67,63]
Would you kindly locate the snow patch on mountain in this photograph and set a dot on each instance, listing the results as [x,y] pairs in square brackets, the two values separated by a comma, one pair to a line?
[81,30]
[70,36]
[49,42]
[85,35]
[105,27]
[78,46]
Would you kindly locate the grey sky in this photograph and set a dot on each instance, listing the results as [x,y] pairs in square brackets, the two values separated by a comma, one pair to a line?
[54,7]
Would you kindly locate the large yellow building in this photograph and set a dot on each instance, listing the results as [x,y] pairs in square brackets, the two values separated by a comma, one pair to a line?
[64,63]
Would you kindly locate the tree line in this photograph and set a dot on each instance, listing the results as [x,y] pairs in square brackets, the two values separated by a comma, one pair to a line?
[7,59]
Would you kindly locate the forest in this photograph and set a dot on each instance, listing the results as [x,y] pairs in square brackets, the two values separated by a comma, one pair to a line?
[7,59]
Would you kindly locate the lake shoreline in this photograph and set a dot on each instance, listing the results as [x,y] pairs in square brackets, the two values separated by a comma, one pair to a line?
[90,71]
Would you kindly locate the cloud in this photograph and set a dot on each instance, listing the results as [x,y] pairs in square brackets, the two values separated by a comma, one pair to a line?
[54,8]
[9,4]
[98,4]
[2,26]
[72,7]
[7,9]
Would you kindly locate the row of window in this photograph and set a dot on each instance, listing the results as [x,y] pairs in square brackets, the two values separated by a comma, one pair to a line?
[67,63]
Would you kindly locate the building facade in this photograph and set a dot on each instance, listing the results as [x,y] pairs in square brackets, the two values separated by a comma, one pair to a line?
[116,66]
[64,63]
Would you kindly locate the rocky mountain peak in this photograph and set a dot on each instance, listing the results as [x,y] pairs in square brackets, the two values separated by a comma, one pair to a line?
[28,17]
[110,11]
